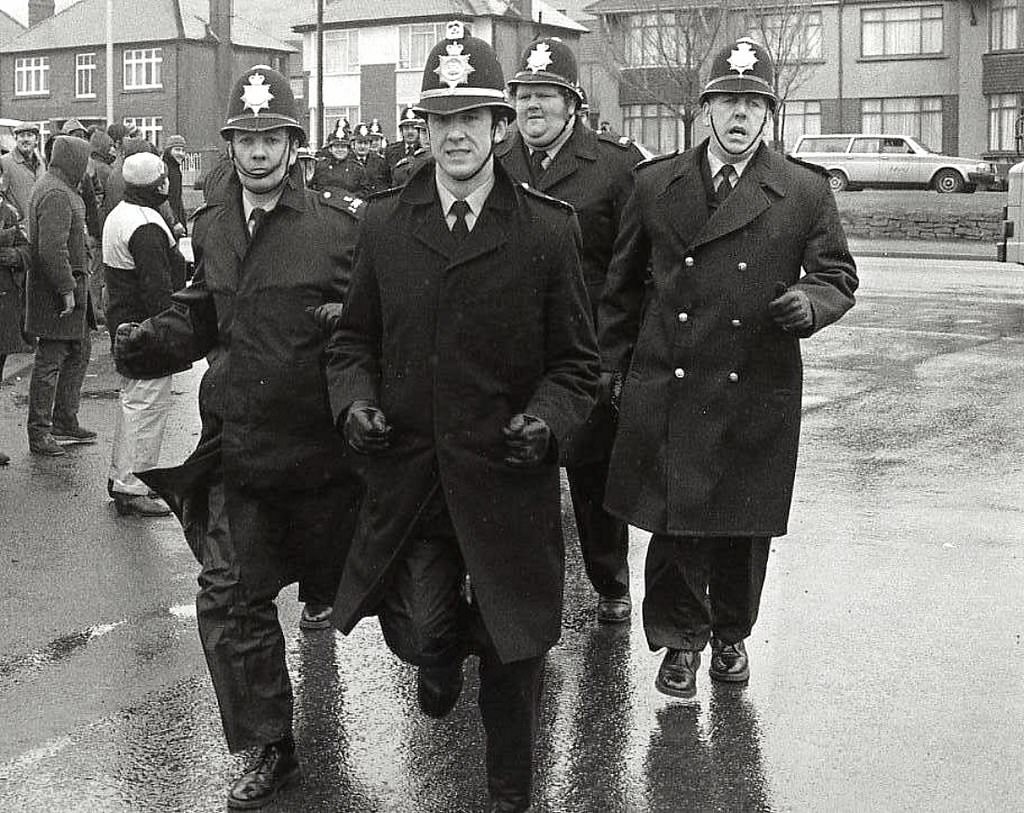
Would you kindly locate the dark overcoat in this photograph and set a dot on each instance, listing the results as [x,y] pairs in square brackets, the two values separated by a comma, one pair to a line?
[451,341]
[594,173]
[710,415]
[12,280]
[250,311]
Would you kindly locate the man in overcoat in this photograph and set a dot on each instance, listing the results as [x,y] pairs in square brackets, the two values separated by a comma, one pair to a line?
[406,146]
[268,497]
[556,154]
[22,167]
[58,310]
[465,358]
[708,340]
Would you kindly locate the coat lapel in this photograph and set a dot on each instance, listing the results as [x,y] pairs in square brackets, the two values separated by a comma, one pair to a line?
[491,229]
[682,202]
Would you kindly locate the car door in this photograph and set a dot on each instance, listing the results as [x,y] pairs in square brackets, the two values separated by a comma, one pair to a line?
[897,162]
[863,160]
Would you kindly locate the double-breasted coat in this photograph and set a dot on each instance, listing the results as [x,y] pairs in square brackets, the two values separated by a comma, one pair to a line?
[594,173]
[451,340]
[710,412]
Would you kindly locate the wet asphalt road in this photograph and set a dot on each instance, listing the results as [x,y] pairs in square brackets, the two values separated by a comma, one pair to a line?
[888,663]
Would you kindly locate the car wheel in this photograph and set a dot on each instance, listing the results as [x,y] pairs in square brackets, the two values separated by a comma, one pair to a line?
[837,180]
[948,180]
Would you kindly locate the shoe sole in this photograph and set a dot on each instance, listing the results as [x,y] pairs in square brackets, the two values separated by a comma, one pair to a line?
[314,625]
[125,510]
[63,440]
[661,687]
[42,453]
[256,804]
[743,677]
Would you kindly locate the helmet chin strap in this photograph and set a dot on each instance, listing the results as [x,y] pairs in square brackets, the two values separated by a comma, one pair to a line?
[283,162]
[718,138]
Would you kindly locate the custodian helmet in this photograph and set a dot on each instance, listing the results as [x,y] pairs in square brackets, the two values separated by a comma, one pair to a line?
[548,61]
[742,67]
[261,99]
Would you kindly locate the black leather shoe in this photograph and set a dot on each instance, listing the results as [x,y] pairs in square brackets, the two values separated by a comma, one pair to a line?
[315,616]
[729,662]
[275,768]
[438,689]
[614,610]
[678,673]
[72,434]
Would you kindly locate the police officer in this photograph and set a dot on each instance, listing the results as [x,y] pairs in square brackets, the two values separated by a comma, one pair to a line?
[703,313]
[339,173]
[267,497]
[407,145]
[375,172]
[556,154]
[465,357]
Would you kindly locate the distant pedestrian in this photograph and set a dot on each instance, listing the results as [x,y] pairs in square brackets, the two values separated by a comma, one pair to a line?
[57,301]
[728,255]
[174,153]
[22,167]
[15,257]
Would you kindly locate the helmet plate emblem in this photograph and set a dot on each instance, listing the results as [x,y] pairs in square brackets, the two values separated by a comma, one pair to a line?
[742,58]
[454,69]
[256,95]
[540,57]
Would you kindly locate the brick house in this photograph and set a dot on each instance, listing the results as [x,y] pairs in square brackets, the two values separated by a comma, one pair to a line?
[174,61]
[375,52]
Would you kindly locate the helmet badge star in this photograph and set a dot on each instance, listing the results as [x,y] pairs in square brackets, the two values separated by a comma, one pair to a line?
[540,57]
[454,30]
[454,69]
[256,95]
[742,58]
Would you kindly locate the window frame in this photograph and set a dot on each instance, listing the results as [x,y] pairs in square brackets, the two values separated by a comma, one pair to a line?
[890,118]
[804,46]
[1002,25]
[349,35]
[1000,115]
[38,69]
[149,125]
[805,115]
[85,73]
[147,58]
[888,18]
[405,44]
[640,122]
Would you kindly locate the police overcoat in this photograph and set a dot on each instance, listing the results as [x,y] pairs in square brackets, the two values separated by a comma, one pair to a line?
[250,311]
[451,341]
[594,173]
[710,414]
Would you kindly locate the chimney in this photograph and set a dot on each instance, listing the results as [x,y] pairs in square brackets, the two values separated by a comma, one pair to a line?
[39,10]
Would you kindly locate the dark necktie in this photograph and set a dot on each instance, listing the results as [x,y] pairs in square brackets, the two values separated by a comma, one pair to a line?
[460,228]
[725,183]
[537,164]
[255,219]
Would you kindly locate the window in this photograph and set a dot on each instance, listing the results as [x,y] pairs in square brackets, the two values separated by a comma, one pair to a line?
[1003,110]
[341,52]
[142,68]
[415,43]
[793,37]
[152,127]
[333,115]
[918,117]
[1002,25]
[32,76]
[652,39]
[85,71]
[653,126]
[902,31]
[799,119]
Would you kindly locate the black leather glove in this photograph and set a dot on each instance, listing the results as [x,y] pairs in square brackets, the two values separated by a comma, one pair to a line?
[126,347]
[366,429]
[328,316]
[791,310]
[527,439]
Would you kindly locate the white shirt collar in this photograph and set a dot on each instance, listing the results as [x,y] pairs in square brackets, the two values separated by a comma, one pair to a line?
[474,199]
[553,148]
[715,164]
[251,201]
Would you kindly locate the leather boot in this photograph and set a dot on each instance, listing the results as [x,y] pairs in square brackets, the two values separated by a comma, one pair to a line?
[678,673]
[729,662]
[275,768]
[140,505]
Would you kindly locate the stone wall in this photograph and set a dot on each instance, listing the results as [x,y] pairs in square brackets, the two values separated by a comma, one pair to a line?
[896,223]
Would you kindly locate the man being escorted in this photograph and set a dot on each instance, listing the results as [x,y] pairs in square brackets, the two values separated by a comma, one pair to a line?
[465,357]
[142,268]
[554,153]
[267,497]
[57,304]
[710,348]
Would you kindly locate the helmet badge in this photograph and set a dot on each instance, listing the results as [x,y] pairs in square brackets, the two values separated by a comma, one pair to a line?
[742,58]
[540,57]
[256,95]
[454,69]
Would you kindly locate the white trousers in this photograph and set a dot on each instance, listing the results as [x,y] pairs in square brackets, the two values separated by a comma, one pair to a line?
[139,431]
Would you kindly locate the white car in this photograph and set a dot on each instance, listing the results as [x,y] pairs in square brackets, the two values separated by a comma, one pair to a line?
[857,160]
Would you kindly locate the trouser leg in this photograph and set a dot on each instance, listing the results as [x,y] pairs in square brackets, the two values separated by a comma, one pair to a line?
[138,431]
[736,579]
[677,613]
[604,539]
[69,383]
[509,706]
[42,386]
[325,553]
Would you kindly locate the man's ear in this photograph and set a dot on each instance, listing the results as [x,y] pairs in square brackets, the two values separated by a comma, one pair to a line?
[500,130]
[706,110]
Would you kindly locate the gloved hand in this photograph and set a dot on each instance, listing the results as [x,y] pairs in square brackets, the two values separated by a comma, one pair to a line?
[366,429]
[125,346]
[526,439]
[791,310]
[68,303]
[328,316]
[10,257]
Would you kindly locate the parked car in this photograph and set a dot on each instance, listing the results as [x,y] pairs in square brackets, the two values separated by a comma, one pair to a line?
[857,160]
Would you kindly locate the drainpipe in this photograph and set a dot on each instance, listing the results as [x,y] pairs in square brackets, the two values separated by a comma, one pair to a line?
[839,75]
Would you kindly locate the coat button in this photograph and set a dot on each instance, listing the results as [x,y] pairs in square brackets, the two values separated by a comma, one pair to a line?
[736,323]
[741,266]
[327,195]
[734,377]
[684,317]
[680,372]
[688,262]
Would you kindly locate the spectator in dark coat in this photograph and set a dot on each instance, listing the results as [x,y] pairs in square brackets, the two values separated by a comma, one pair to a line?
[174,154]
